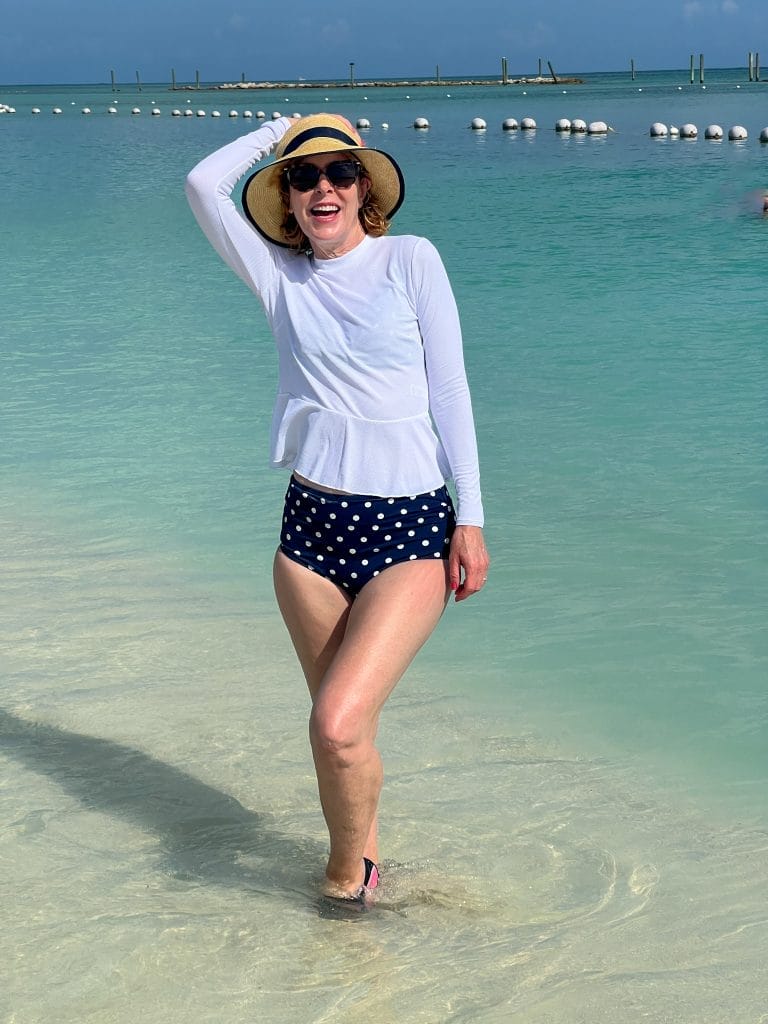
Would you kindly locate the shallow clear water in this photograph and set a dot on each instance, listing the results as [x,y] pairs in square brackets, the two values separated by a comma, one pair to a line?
[574,818]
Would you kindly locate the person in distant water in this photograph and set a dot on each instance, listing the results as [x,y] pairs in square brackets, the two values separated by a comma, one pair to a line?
[372,416]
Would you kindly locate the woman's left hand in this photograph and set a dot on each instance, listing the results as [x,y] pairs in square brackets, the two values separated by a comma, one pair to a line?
[468,561]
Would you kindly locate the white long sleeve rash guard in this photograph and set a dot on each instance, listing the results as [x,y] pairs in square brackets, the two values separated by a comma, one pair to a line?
[372,394]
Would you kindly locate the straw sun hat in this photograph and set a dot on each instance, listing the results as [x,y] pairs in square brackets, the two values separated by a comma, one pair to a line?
[318,133]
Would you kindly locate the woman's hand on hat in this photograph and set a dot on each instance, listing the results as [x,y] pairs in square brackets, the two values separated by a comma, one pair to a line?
[468,562]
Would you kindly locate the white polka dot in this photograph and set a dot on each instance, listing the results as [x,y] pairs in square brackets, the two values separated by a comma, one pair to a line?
[318,534]
[387,560]
[332,515]
[412,557]
[441,515]
[319,558]
[390,501]
[387,536]
[342,561]
[403,511]
[425,543]
[436,554]
[287,536]
[345,504]
[313,511]
[355,518]
[308,543]
[374,527]
[364,562]
[340,540]
[353,575]
[376,573]
[353,551]
[432,494]
[411,533]
[363,540]
[435,529]
[398,526]
[367,504]
[332,572]
[420,520]
[304,494]
[297,552]
[351,526]
[298,528]
[380,515]
[400,547]
[329,548]
[425,508]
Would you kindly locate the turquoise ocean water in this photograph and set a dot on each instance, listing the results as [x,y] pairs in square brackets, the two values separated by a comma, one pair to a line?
[575,817]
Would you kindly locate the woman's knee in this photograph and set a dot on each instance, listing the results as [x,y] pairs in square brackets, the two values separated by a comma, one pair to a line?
[338,737]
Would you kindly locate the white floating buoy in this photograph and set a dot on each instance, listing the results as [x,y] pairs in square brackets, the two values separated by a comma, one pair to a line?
[276,114]
[597,128]
[199,113]
[674,131]
[215,113]
[562,125]
[188,113]
[478,124]
[233,113]
[689,131]
[56,110]
[421,123]
[295,114]
[247,113]
[111,110]
[578,126]
[35,110]
[363,122]
[86,110]
[738,133]
[384,125]
[175,113]
[509,124]
[764,135]
[155,112]
[136,110]
[260,114]
[528,124]
[658,130]
[713,132]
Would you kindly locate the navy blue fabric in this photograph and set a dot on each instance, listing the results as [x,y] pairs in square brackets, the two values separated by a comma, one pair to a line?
[350,538]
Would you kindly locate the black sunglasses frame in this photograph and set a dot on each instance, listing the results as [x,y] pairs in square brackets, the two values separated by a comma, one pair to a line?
[311,174]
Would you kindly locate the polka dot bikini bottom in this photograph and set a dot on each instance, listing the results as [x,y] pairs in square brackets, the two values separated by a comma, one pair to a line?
[350,538]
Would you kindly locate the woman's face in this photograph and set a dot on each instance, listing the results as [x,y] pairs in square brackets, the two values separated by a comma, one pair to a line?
[328,214]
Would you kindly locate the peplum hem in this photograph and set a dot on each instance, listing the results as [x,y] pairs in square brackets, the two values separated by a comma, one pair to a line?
[386,458]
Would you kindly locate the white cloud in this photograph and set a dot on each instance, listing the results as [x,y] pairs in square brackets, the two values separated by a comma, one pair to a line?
[693,8]
[730,7]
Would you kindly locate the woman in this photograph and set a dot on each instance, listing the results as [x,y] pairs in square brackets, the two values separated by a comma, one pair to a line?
[373,415]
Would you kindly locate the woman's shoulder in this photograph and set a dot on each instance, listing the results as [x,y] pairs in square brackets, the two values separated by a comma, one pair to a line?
[406,247]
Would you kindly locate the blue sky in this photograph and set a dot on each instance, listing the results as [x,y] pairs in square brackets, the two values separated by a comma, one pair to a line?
[71,41]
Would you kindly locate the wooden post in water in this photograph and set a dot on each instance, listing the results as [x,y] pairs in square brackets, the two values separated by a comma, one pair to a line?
[112,76]
[352,74]
[173,79]
[197,79]
[691,69]
[552,71]
[504,75]
[138,81]
[539,67]
[749,65]
[632,66]
[701,69]
[757,66]
[437,73]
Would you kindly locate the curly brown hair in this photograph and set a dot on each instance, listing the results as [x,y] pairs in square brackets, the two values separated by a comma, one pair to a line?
[372,218]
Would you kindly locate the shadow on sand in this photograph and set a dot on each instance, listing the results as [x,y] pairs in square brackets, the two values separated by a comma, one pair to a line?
[203,833]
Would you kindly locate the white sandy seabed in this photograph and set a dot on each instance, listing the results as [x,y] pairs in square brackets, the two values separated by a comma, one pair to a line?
[161,837]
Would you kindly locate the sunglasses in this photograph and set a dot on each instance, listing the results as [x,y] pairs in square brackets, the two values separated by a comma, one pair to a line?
[340,173]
